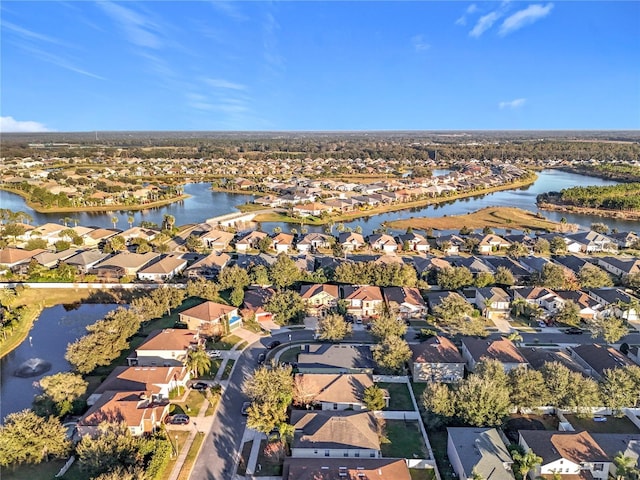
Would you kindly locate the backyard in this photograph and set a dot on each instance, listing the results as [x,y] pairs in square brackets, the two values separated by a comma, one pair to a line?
[400,399]
[403,440]
[611,425]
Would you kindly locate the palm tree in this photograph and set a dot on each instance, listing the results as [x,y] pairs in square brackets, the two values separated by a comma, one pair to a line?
[198,362]
[277,230]
[169,221]
[130,220]
[624,467]
[514,337]
[526,461]
[114,220]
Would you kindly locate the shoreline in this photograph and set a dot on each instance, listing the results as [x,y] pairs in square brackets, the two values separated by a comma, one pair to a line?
[103,208]
[348,217]
[598,212]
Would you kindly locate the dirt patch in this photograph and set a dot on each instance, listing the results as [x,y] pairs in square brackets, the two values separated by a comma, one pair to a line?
[513,425]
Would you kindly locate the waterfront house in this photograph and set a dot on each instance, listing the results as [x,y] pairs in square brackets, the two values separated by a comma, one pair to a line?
[383,242]
[212,319]
[351,241]
[250,241]
[313,241]
[147,234]
[478,451]
[311,209]
[164,269]
[166,348]
[415,242]
[217,240]
[591,242]
[334,434]
[282,243]
[436,360]
[492,243]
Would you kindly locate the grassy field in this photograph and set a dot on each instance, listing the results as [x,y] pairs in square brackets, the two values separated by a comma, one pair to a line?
[400,399]
[404,440]
[495,217]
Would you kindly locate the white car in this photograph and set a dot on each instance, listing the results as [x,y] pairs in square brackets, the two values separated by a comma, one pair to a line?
[214,353]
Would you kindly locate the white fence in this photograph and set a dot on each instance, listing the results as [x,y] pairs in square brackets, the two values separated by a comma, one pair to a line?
[91,286]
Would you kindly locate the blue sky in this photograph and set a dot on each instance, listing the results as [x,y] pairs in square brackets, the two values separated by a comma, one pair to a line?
[325,65]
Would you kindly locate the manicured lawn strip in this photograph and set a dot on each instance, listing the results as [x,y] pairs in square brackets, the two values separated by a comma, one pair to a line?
[182,437]
[290,355]
[612,425]
[227,369]
[400,398]
[268,469]
[438,441]
[215,366]
[241,345]
[194,401]
[42,471]
[185,471]
[244,457]
[422,474]
[405,440]
[225,343]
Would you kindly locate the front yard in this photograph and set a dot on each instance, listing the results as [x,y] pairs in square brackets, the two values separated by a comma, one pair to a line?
[404,440]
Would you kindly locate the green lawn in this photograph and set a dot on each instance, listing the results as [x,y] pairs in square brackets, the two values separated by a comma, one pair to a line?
[187,466]
[43,471]
[225,343]
[438,441]
[191,405]
[227,369]
[612,425]
[400,397]
[265,467]
[404,440]
[422,474]
[290,355]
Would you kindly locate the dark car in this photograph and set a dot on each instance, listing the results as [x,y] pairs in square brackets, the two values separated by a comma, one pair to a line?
[573,331]
[200,386]
[178,419]
[261,358]
[273,344]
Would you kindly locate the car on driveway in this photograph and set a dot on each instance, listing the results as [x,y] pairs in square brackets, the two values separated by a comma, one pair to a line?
[200,386]
[214,353]
[245,408]
[573,331]
[261,358]
[273,344]
[178,419]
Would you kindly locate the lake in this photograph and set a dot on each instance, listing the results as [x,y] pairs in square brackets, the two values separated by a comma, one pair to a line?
[46,344]
[205,204]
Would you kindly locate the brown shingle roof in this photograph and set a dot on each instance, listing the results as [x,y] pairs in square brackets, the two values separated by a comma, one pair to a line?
[149,379]
[345,469]
[309,291]
[166,265]
[337,388]
[436,350]
[502,350]
[575,447]
[331,429]
[208,311]
[169,339]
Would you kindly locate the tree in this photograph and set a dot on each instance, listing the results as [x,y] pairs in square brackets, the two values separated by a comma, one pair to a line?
[62,389]
[620,388]
[528,388]
[28,438]
[525,462]
[625,467]
[391,354]
[13,230]
[611,329]
[582,394]
[455,314]
[233,277]
[591,276]
[259,275]
[283,271]
[36,243]
[194,244]
[542,246]
[504,276]
[264,244]
[517,250]
[130,220]
[114,221]
[453,278]
[333,327]
[599,227]
[62,245]
[270,385]
[286,306]
[556,377]
[484,279]
[266,416]
[168,221]
[439,399]
[374,398]
[236,297]
[202,288]
[569,314]
[111,447]
[388,323]
[558,246]
[198,362]
[482,401]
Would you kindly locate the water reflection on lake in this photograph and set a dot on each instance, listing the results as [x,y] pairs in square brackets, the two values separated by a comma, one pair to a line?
[47,342]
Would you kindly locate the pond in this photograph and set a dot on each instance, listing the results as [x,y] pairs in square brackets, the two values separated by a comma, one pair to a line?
[42,352]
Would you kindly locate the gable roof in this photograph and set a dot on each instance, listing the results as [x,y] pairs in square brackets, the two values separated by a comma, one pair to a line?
[336,388]
[400,295]
[310,291]
[86,257]
[481,450]
[502,350]
[169,339]
[13,256]
[364,292]
[208,311]
[575,447]
[148,379]
[601,357]
[131,407]
[130,260]
[335,429]
[436,350]
[345,469]
[168,264]
[336,356]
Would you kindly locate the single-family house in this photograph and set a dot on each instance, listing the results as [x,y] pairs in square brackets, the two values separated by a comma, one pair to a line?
[566,453]
[591,241]
[383,242]
[492,301]
[313,241]
[536,357]
[345,469]
[328,358]
[620,266]
[492,243]
[414,241]
[164,269]
[320,298]
[51,259]
[624,239]
[255,299]
[450,244]
[628,444]
[86,260]
[147,234]
[362,301]
[311,209]
[99,235]
[475,350]
[544,297]
[282,243]
[334,434]
[208,267]
[331,391]
[250,241]
[210,318]
[13,257]
[217,240]
[351,241]
[436,360]
[596,358]
[406,300]
[124,263]
[588,307]
[167,348]
[615,302]
[478,451]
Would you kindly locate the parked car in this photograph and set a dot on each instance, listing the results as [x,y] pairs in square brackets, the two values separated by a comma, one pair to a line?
[573,331]
[214,353]
[200,386]
[261,358]
[178,419]
[245,408]
[273,344]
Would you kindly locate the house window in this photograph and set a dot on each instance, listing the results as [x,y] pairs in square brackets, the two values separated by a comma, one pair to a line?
[335,406]
[345,454]
[357,454]
[598,467]
[315,452]
[372,454]
[326,453]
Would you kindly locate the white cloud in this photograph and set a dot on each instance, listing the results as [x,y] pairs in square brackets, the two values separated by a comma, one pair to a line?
[230,9]
[9,124]
[31,35]
[140,30]
[484,23]
[527,16]
[517,103]
[222,83]
[419,43]
[471,9]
